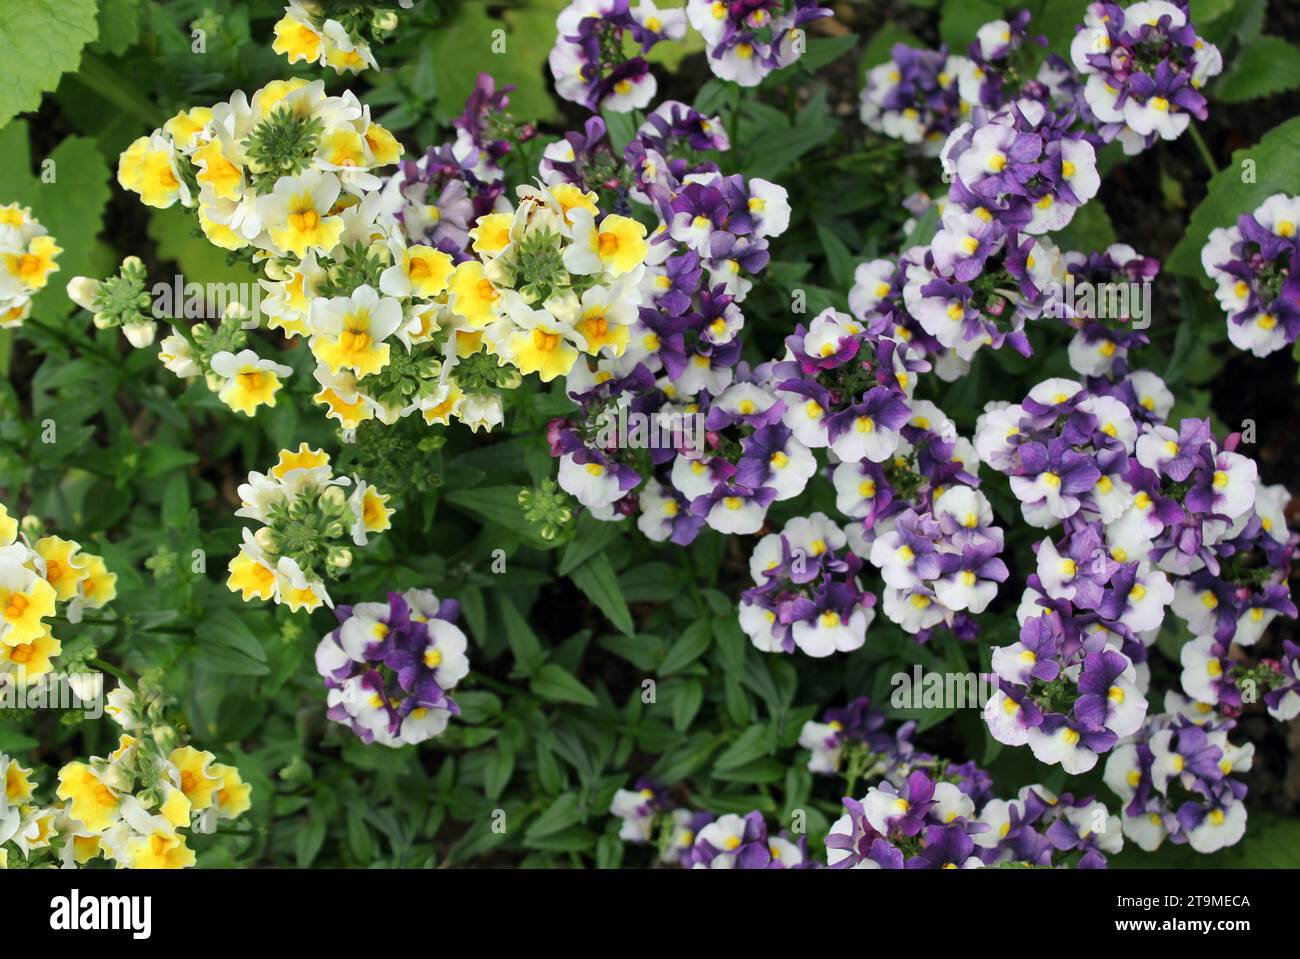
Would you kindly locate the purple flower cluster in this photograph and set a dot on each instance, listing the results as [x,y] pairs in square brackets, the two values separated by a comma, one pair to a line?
[997,69]
[1063,690]
[699,840]
[1144,67]
[1018,169]
[1101,287]
[923,824]
[1255,266]
[589,61]
[723,455]
[745,842]
[667,147]
[1176,780]
[807,594]
[745,40]
[914,97]
[388,667]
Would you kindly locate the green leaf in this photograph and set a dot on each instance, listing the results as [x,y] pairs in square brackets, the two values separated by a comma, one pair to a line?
[561,814]
[465,46]
[621,127]
[524,644]
[554,683]
[308,842]
[500,505]
[1276,169]
[41,40]
[687,699]
[690,646]
[226,644]
[496,774]
[599,584]
[923,231]
[590,537]
[838,257]
[179,238]
[1267,66]
[119,25]
[752,743]
[826,50]
[359,840]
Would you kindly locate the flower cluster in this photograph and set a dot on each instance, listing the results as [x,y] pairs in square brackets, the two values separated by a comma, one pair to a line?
[1135,75]
[1152,517]
[915,96]
[308,521]
[554,279]
[745,40]
[852,741]
[131,807]
[924,824]
[1099,302]
[1176,778]
[1255,267]
[716,452]
[925,525]
[388,667]
[27,254]
[1062,689]
[699,840]
[807,594]
[591,62]
[334,34]
[37,577]
[1144,66]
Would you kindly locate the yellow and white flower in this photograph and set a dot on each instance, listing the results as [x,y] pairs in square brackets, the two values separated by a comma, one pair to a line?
[296,213]
[348,333]
[249,380]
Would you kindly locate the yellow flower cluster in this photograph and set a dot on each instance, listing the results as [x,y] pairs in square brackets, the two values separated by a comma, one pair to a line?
[305,34]
[35,578]
[550,283]
[27,253]
[133,806]
[307,521]
[242,163]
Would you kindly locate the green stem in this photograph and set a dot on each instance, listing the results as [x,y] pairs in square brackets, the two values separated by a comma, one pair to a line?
[733,123]
[112,671]
[1203,148]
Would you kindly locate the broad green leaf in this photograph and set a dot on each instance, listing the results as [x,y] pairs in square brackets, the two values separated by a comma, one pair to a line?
[1268,66]
[41,40]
